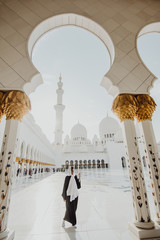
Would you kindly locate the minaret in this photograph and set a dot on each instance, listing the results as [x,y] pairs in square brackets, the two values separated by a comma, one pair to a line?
[59,113]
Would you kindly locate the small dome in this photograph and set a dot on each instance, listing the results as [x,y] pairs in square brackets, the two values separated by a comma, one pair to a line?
[78,131]
[108,125]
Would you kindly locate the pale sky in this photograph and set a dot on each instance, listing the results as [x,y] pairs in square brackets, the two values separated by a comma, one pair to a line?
[82,59]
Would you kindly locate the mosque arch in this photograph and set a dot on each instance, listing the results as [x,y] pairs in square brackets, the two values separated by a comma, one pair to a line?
[123,159]
[98,163]
[80,164]
[147,29]
[76,164]
[94,163]
[61,20]
[71,163]
[102,163]
[67,164]
[89,163]
[85,163]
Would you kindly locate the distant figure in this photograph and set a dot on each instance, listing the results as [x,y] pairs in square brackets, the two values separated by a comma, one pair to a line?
[70,196]
[30,172]
[18,171]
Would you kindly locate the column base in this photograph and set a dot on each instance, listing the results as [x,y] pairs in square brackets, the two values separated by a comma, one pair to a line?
[144,233]
[146,225]
[7,235]
[157,220]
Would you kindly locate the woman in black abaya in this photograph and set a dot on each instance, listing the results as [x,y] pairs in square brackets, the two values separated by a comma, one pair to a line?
[70,196]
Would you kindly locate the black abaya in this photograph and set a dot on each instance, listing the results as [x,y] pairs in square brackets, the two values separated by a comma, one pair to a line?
[71,207]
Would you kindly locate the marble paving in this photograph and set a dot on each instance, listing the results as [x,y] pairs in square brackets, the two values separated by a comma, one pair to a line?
[104,208]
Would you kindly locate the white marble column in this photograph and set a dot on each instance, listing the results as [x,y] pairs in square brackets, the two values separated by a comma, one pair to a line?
[6,159]
[27,166]
[146,107]
[139,193]
[14,104]
[22,167]
[31,167]
[16,168]
[150,145]
[40,167]
[125,106]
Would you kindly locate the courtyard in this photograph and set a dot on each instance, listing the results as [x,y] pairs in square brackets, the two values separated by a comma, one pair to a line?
[104,208]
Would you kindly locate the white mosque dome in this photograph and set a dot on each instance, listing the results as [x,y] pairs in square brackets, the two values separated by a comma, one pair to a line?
[108,125]
[78,131]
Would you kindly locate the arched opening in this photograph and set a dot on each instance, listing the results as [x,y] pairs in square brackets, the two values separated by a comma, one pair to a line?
[85,164]
[98,163]
[71,163]
[89,164]
[148,46]
[102,163]
[43,31]
[66,164]
[123,162]
[93,163]
[80,164]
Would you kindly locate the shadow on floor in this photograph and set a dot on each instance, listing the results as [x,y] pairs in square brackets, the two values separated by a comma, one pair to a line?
[72,233]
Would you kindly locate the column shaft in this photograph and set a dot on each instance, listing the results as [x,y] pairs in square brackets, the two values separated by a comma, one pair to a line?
[153,162]
[9,148]
[139,194]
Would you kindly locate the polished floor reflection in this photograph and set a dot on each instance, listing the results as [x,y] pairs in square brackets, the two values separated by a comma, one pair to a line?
[104,208]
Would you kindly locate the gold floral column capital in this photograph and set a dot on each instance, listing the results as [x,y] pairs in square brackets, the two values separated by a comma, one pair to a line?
[146,107]
[125,106]
[15,104]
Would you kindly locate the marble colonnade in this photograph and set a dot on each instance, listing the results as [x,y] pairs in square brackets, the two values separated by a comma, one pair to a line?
[14,104]
[128,107]
[31,164]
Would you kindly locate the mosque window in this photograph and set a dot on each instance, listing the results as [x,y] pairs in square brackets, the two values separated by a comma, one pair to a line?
[107,135]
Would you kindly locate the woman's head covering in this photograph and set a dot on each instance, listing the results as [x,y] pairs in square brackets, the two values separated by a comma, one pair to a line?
[72,190]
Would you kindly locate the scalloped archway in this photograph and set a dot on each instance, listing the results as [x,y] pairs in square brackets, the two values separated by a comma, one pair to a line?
[68,19]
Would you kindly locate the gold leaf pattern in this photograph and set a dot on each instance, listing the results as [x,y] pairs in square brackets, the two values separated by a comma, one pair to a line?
[125,106]
[15,105]
[146,107]
[128,106]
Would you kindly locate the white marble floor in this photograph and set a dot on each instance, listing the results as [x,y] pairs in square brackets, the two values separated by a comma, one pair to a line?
[104,209]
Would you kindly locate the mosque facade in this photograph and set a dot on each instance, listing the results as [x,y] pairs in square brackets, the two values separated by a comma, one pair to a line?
[103,151]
